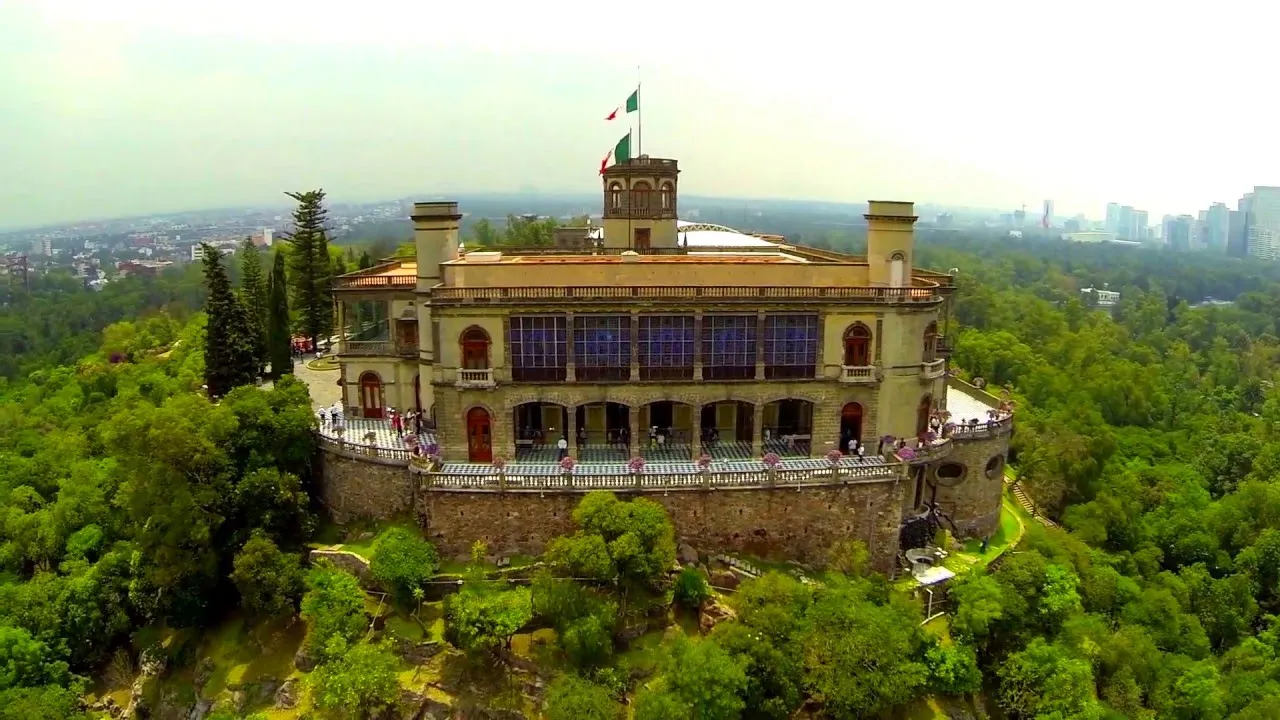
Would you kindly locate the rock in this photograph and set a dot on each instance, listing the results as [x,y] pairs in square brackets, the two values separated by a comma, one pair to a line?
[724,579]
[200,709]
[712,613]
[238,700]
[418,653]
[364,536]
[203,670]
[687,555]
[303,660]
[433,710]
[265,690]
[287,694]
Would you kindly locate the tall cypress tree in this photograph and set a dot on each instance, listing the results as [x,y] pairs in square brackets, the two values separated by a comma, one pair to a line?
[253,295]
[228,347]
[310,269]
[279,348]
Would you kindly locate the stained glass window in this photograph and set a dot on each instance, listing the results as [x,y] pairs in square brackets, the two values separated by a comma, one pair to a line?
[666,347]
[539,347]
[790,346]
[602,347]
[729,347]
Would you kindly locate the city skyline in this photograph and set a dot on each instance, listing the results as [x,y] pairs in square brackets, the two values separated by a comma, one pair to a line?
[141,108]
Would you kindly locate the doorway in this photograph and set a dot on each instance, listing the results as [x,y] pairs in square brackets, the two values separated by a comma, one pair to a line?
[641,240]
[370,395]
[479,436]
[850,425]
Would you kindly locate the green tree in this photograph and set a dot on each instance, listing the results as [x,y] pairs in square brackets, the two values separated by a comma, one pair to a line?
[279,338]
[628,542]
[1044,680]
[366,262]
[228,356]
[310,269]
[953,670]
[269,581]
[27,662]
[570,697]
[699,681]
[483,620]
[48,702]
[361,681]
[402,561]
[691,588]
[253,297]
[333,609]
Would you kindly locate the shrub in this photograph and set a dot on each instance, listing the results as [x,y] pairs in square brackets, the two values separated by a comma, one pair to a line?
[402,561]
[691,588]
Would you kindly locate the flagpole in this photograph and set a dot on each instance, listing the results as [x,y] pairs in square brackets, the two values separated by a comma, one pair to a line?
[639,117]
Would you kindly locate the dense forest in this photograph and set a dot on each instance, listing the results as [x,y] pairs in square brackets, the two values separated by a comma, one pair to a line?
[139,521]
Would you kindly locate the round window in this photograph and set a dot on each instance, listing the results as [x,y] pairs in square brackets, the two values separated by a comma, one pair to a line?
[949,473]
[995,467]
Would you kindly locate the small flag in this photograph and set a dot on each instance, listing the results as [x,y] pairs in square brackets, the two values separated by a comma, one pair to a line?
[620,153]
[631,105]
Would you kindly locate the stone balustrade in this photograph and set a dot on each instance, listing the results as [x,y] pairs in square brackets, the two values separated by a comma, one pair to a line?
[859,374]
[475,378]
[583,479]
[933,369]
[983,430]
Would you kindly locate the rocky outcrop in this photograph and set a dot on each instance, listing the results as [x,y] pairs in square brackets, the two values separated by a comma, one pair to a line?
[345,560]
[287,695]
[712,613]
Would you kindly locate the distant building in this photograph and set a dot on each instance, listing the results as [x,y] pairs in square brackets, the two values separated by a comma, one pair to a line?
[1178,231]
[1263,235]
[1096,297]
[1089,236]
[142,268]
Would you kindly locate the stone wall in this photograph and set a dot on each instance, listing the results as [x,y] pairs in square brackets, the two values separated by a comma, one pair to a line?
[973,499]
[782,524]
[353,487]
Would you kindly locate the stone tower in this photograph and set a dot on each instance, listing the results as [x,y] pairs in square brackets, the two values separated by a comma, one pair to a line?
[435,238]
[890,241]
[640,204]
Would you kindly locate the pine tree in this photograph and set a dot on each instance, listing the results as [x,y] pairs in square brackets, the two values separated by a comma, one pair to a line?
[310,270]
[253,295]
[365,260]
[279,347]
[228,347]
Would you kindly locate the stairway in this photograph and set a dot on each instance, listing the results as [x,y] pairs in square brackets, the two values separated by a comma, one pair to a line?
[1028,504]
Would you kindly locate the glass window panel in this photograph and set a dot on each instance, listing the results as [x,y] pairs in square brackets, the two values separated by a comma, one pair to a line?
[790,345]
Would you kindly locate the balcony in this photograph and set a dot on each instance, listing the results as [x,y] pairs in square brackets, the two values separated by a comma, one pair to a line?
[859,374]
[385,348]
[943,346]
[542,294]
[933,369]
[475,379]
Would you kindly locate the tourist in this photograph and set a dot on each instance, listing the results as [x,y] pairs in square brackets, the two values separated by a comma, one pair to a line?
[562,447]
[853,446]
[582,436]
[397,424]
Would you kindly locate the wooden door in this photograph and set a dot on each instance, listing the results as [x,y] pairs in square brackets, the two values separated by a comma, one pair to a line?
[370,395]
[475,355]
[479,436]
[641,240]
[856,351]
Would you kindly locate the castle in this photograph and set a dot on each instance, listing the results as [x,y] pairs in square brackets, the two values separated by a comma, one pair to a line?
[717,370]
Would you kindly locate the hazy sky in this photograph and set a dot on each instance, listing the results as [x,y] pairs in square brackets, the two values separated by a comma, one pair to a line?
[118,107]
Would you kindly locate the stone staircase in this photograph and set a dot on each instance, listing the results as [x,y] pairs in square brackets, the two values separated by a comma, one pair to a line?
[1028,504]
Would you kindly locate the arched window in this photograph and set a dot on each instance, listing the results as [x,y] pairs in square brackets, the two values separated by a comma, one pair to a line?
[857,345]
[475,348]
[640,192]
[922,414]
[897,269]
[930,342]
[615,196]
[666,195]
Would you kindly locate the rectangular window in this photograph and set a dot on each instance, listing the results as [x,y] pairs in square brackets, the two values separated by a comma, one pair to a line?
[790,346]
[602,347]
[665,350]
[729,347]
[539,348]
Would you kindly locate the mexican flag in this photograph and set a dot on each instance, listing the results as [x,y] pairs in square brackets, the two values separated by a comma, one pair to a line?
[620,153]
[632,105]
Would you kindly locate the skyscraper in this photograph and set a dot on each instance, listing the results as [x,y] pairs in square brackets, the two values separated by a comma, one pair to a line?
[1112,224]
[1263,239]
[1218,224]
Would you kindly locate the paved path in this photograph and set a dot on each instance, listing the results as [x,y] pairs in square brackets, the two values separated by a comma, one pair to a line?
[322,383]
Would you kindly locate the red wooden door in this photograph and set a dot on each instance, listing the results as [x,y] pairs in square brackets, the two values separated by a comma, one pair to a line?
[851,422]
[642,239]
[475,355]
[370,395]
[479,436]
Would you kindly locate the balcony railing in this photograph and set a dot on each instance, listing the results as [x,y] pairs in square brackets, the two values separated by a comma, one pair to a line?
[858,374]
[375,282]
[933,369]
[367,347]
[925,452]
[538,294]
[472,379]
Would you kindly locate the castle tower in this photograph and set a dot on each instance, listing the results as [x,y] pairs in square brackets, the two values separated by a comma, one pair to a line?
[435,237]
[640,204]
[890,241]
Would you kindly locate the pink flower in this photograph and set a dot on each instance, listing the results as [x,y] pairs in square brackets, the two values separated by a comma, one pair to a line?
[499,462]
[568,464]
[906,453]
[636,464]
[704,461]
[772,460]
[834,457]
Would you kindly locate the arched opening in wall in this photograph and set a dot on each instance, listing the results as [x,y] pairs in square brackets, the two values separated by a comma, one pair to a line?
[727,429]
[666,430]
[949,473]
[479,435]
[857,346]
[371,404]
[850,426]
[539,428]
[668,191]
[995,467]
[787,427]
[923,411]
[640,193]
[417,392]
[897,270]
[475,343]
[615,195]
[930,342]
[603,432]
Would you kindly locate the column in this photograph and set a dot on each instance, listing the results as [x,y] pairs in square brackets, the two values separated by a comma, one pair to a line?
[635,347]
[697,348]
[571,428]
[697,432]
[757,429]
[570,366]
[633,421]
[759,351]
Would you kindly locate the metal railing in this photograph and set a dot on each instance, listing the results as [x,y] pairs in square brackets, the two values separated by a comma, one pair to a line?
[684,292]
[583,479]
[858,374]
